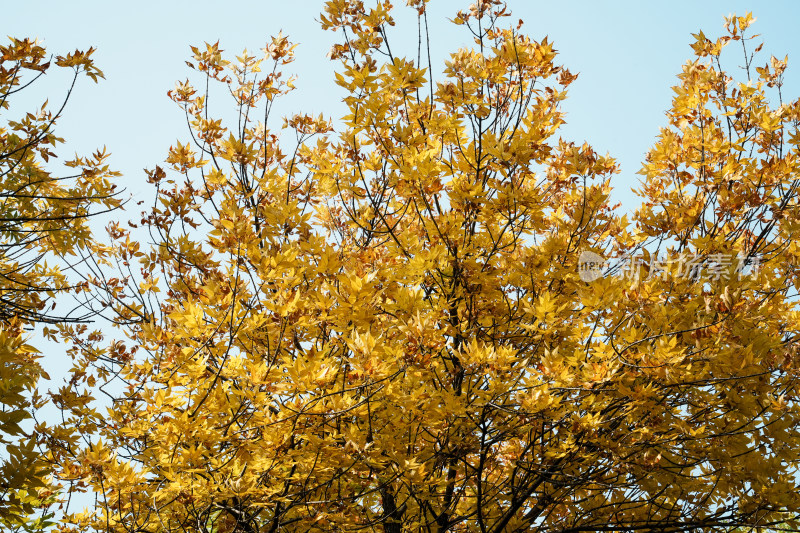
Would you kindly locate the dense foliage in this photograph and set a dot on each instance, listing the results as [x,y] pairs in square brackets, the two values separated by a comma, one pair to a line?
[429,317]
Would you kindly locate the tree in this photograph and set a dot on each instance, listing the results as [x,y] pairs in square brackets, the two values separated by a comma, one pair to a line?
[391,327]
[44,228]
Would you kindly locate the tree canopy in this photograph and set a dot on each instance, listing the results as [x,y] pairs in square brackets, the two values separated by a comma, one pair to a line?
[426,315]
[45,234]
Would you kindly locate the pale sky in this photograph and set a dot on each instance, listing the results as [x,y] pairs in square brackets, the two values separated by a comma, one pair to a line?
[627,54]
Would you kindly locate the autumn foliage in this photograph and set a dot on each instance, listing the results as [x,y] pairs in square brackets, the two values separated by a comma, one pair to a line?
[382,323]
[45,235]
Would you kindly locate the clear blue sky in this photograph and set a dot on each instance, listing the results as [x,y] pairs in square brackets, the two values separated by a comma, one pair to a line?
[627,54]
